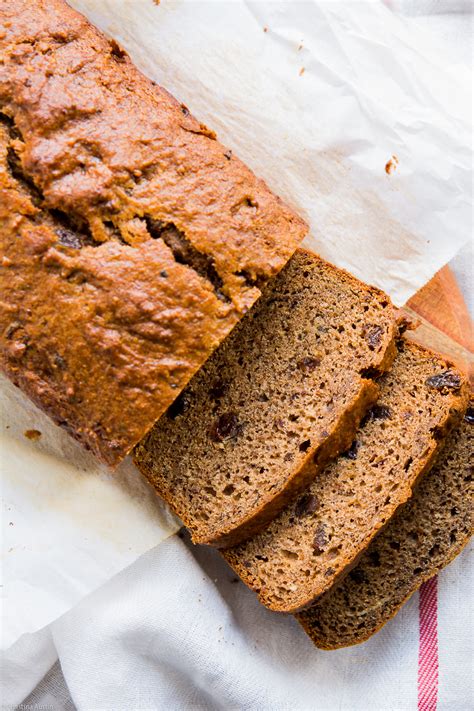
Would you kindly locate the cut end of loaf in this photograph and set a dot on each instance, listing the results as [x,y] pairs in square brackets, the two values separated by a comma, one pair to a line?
[117,230]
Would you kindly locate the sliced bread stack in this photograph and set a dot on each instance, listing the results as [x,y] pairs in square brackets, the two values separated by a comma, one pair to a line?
[283,394]
[423,537]
[319,536]
[302,436]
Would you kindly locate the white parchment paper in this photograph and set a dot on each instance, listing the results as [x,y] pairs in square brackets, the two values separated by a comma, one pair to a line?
[317,97]
[68,523]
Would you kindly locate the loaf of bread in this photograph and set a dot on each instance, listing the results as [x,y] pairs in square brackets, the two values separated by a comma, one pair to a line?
[318,538]
[282,395]
[422,538]
[132,240]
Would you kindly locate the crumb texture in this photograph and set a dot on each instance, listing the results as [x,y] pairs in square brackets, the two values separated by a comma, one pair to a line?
[132,240]
[284,392]
[316,539]
[422,538]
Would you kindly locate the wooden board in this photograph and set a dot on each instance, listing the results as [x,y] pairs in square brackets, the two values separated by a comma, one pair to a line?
[444,321]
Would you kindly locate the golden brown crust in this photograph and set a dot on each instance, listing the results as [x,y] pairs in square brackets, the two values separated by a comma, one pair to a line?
[133,241]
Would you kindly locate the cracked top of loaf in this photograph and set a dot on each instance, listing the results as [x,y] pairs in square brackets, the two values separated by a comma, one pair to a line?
[132,240]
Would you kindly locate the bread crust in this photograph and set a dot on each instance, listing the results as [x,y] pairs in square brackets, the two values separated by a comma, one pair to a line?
[133,241]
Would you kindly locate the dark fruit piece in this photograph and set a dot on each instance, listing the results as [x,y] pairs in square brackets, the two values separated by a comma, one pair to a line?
[352,451]
[373,336]
[469,416]
[225,427]
[320,541]
[178,407]
[306,505]
[308,363]
[444,381]
[380,412]
[68,238]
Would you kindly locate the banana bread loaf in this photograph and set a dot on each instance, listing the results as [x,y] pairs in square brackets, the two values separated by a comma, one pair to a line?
[422,538]
[281,395]
[317,538]
[132,240]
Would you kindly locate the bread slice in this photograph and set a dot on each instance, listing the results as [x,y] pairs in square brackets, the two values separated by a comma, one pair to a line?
[283,394]
[422,538]
[317,538]
[132,241]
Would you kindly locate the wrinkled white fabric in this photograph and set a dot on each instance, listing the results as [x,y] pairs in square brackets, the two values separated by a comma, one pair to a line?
[175,630]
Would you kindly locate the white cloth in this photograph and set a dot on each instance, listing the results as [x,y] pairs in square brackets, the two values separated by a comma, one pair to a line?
[175,630]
